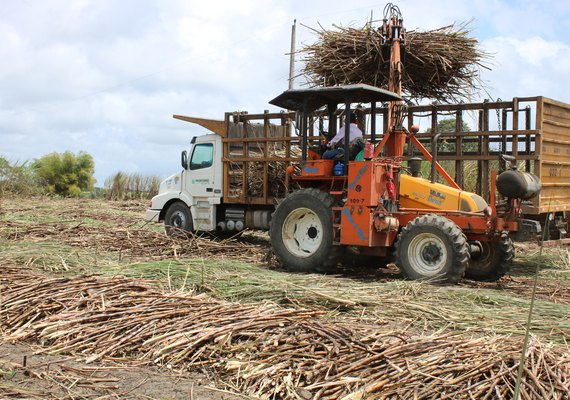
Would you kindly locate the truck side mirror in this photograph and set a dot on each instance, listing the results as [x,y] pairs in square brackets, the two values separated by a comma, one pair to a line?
[184,159]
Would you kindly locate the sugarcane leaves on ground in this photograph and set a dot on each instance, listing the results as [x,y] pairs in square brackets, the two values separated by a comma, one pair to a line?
[117,279]
[236,270]
[266,350]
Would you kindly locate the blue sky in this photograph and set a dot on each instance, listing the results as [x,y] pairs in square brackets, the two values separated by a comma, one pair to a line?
[106,76]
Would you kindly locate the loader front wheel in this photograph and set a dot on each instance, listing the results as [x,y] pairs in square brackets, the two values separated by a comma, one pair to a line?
[178,219]
[494,261]
[302,232]
[432,248]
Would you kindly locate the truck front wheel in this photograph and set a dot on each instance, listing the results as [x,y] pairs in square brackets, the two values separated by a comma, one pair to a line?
[178,218]
[302,232]
[432,247]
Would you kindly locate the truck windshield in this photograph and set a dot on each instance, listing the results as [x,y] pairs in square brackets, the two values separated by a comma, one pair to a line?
[202,156]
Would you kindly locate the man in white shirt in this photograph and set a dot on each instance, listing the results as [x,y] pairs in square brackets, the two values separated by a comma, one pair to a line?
[355,140]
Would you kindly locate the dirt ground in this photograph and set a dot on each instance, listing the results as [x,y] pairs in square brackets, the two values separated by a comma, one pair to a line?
[27,375]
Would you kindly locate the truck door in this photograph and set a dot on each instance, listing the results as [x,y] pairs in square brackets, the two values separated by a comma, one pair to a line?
[200,176]
[202,184]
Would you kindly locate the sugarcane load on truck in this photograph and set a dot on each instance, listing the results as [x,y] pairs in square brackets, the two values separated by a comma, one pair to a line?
[260,171]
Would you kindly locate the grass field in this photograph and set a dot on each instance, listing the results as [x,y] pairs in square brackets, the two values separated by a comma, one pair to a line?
[65,238]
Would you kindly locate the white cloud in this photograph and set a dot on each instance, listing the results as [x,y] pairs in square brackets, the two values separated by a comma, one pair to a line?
[536,50]
[528,66]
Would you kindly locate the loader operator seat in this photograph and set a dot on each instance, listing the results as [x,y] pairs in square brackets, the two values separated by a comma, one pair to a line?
[354,148]
[356,144]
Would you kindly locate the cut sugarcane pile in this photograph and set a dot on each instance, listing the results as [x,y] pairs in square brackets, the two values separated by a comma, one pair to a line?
[267,350]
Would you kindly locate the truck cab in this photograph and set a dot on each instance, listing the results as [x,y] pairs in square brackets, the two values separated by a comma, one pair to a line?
[187,200]
[232,178]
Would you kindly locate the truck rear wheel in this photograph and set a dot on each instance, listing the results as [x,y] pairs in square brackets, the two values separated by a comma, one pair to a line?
[432,247]
[178,219]
[302,232]
[494,262]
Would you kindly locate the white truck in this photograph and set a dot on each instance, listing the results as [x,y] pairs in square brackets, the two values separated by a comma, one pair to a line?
[231,179]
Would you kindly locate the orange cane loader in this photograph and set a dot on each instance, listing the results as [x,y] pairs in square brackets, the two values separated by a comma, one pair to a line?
[435,231]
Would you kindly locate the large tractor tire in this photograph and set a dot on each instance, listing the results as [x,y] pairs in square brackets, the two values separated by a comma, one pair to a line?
[302,232]
[432,248]
[494,261]
[178,219]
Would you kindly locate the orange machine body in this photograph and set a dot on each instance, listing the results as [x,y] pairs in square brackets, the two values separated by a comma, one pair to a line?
[364,220]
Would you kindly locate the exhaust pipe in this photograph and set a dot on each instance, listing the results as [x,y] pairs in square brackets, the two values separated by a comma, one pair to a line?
[434,157]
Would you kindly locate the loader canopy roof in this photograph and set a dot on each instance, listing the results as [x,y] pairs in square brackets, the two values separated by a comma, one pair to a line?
[316,97]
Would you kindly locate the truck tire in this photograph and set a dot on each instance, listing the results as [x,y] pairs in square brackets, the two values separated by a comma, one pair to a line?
[178,219]
[494,262]
[301,232]
[434,248]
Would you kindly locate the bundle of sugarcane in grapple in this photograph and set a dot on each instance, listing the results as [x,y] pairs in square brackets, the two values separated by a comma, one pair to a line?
[441,64]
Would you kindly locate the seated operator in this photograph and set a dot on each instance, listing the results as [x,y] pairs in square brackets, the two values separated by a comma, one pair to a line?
[356,143]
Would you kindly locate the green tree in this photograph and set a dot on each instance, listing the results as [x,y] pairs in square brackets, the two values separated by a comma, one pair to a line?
[447,143]
[448,125]
[65,174]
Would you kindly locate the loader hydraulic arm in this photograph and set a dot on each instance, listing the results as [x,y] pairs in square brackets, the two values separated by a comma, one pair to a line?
[394,34]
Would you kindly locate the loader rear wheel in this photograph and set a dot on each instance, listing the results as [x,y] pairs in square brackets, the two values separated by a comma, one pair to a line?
[178,219]
[433,248]
[494,262]
[302,232]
